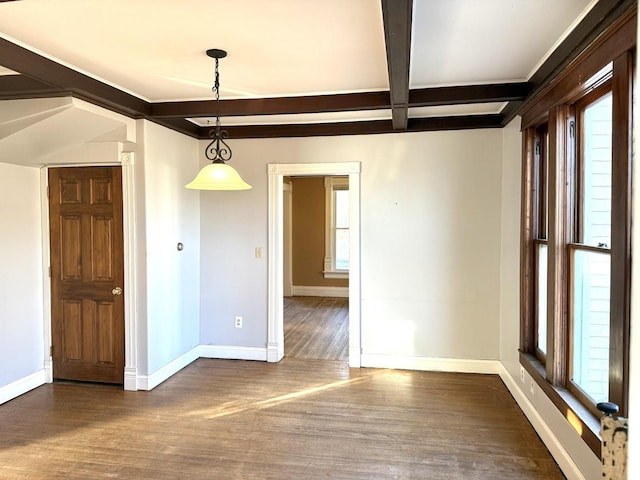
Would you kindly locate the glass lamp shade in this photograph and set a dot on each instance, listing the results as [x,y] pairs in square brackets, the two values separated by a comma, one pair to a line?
[218,176]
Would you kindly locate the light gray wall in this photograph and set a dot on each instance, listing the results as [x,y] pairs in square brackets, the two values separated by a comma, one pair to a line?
[171,214]
[21,297]
[430,241]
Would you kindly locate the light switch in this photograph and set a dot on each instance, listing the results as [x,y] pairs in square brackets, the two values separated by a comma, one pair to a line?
[258,252]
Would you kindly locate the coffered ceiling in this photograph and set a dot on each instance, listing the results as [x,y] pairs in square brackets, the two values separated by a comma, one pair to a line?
[297,67]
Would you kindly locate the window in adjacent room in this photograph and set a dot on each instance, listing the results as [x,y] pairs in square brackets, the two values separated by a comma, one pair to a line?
[336,261]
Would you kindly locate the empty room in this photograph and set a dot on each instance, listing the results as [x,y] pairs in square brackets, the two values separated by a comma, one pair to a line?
[456,303]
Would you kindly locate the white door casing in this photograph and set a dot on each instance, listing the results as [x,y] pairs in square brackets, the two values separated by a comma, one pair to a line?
[275,319]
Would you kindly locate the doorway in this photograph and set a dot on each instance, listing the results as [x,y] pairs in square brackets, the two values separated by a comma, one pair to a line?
[316,252]
[275,328]
[87,273]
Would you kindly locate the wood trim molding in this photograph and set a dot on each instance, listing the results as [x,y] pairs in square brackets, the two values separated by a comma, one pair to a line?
[602,16]
[575,79]
[561,160]
[621,209]
[582,420]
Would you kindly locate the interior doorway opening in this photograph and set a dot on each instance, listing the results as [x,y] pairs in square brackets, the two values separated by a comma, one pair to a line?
[316,267]
[275,330]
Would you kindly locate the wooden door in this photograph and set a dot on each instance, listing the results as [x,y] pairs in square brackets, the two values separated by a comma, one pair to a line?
[87,273]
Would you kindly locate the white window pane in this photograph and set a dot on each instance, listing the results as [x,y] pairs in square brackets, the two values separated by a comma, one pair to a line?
[342,249]
[590,336]
[342,208]
[541,286]
[596,199]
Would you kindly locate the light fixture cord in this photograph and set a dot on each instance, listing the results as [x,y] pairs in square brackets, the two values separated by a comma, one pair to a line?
[216,91]
[218,151]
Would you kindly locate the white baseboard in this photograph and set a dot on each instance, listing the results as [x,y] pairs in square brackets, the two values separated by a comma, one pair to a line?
[149,382]
[130,378]
[22,385]
[273,354]
[430,364]
[48,370]
[233,353]
[312,291]
[560,455]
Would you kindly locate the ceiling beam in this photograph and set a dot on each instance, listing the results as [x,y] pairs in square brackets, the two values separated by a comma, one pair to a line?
[274,106]
[456,95]
[358,128]
[396,17]
[14,87]
[42,69]
[341,102]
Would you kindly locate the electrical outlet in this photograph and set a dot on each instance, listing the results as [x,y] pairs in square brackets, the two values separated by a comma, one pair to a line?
[522,374]
[531,387]
[238,322]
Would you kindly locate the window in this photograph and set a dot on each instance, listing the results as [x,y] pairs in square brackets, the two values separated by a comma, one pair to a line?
[576,250]
[541,187]
[336,261]
[589,253]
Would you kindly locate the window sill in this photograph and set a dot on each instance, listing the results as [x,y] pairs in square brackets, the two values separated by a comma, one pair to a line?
[585,423]
[336,274]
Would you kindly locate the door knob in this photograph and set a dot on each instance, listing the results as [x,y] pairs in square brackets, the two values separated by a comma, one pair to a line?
[117,291]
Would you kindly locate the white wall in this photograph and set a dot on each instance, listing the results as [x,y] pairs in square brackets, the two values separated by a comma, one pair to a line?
[430,241]
[576,459]
[21,298]
[170,316]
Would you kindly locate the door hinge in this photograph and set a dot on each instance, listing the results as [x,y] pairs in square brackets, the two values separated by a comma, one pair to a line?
[51,351]
[49,272]
[47,191]
[538,148]
[572,129]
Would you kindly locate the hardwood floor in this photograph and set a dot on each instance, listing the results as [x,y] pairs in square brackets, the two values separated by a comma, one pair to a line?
[299,419]
[316,328]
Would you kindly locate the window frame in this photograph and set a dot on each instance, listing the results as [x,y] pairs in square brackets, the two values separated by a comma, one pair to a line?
[331,184]
[608,59]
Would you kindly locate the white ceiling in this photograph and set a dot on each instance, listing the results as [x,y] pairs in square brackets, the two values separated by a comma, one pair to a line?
[155,49]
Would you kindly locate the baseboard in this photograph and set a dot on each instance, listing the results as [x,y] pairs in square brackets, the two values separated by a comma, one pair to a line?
[313,291]
[149,382]
[130,378]
[560,455]
[21,386]
[233,353]
[430,364]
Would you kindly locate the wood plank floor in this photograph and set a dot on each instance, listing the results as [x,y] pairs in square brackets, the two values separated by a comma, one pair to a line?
[316,328]
[299,419]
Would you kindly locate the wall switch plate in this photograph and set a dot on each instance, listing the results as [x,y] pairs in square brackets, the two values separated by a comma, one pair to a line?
[238,322]
[258,252]
[532,388]
[521,373]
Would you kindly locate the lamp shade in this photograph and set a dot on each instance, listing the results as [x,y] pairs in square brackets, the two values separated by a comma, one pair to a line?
[218,176]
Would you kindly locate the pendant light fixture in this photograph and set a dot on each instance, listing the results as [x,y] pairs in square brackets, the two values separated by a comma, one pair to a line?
[218,175]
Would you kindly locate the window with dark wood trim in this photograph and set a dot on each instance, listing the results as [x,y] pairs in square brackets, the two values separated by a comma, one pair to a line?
[576,242]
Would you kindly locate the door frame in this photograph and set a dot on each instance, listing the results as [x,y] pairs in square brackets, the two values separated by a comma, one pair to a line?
[130,320]
[275,314]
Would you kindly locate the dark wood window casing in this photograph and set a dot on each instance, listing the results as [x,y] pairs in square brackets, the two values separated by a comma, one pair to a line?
[551,191]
